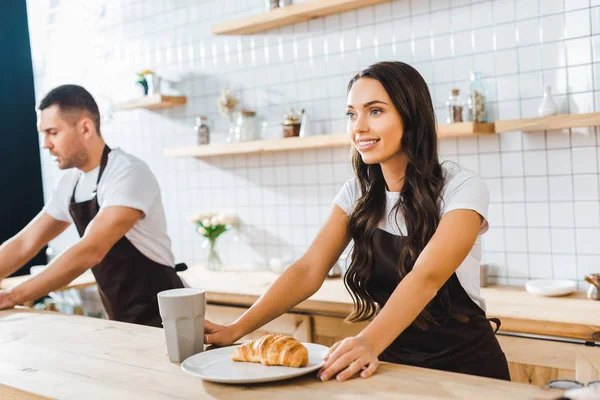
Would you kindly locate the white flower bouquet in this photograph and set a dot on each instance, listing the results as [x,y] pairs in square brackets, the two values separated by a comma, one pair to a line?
[211,225]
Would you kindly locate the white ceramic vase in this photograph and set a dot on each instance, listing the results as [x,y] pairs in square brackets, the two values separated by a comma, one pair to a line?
[547,107]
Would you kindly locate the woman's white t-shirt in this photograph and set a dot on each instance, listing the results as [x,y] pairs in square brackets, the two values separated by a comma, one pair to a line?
[126,181]
[463,189]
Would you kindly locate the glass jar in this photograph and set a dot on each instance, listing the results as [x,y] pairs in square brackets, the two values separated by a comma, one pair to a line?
[202,130]
[477,98]
[455,107]
[245,128]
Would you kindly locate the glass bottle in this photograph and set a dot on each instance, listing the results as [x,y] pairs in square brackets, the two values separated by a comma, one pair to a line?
[202,130]
[477,98]
[455,107]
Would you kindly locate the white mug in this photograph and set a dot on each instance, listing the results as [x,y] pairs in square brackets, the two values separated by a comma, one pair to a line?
[182,312]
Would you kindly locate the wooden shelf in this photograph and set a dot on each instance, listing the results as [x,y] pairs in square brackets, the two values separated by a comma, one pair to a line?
[465,129]
[288,15]
[553,122]
[153,102]
[260,146]
[311,142]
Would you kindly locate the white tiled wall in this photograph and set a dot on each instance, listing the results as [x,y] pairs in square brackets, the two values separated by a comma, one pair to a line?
[544,210]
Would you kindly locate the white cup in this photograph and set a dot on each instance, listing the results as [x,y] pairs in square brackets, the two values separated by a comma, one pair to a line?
[182,312]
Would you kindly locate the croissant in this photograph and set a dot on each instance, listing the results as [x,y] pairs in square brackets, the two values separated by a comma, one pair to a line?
[273,350]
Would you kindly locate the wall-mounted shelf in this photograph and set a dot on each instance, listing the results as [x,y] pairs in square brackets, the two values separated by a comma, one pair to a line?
[553,122]
[291,14]
[153,102]
[260,146]
[311,142]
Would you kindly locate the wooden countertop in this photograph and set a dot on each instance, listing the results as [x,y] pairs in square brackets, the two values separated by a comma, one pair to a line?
[70,357]
[572,316]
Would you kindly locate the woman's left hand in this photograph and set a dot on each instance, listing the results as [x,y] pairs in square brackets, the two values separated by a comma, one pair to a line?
[349,356]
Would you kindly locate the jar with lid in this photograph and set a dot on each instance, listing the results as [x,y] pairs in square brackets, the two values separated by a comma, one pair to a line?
[202,130]
[477,98]
[245,127]
[291,124]
[455,107]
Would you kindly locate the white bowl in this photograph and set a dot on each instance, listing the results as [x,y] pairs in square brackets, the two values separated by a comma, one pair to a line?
[551,287]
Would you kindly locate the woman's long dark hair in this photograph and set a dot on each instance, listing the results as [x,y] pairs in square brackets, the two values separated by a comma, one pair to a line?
[420,196]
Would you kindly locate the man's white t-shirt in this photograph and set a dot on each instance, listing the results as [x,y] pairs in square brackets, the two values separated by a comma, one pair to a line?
[463,189]
[126,181]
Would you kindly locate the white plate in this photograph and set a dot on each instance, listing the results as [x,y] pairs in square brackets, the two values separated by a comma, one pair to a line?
[217,366]
[550,287]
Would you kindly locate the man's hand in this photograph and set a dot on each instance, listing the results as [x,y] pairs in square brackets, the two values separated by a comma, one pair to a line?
[6,300]
[109,225]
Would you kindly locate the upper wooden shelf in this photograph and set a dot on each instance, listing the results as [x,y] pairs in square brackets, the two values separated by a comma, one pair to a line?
[288,15]
[310,142]
[153,102]
[553,122]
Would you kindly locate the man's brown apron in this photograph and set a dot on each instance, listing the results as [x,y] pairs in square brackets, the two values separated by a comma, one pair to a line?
[128,281]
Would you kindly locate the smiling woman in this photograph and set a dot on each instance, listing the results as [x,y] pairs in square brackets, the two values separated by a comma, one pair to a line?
[415,226]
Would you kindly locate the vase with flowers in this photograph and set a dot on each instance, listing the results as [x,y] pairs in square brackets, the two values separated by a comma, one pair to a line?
[227,103]
[211,225]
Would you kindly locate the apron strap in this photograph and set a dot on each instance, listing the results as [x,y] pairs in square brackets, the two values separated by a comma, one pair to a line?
[495,321]
[103,162]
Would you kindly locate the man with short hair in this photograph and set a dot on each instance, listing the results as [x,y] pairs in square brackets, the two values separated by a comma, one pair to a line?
[115,203]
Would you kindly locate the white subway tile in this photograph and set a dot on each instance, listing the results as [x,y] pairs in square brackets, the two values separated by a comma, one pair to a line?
[538,215]
[481,14]
[564,266]
[563,240]
[580,78]
[515,239]
[507,62]
[538,240]
[540,266]
[467,145]
[579,51]
[490,165]
[557,79]
[514,189]
[421,26]
[529,31]
[514,215]
[534,141]
[440,22]
[530,59]
[585,187]
[460,18]
[504,11]
[581,103]
[561,215]
[554,55]
[587,214]
[559,162]
[587,240]
[577,23]
[587,264]
[517,265]
[512,164]
[584,160]
[560,188]
[558,139]
[506,36]
[535,163]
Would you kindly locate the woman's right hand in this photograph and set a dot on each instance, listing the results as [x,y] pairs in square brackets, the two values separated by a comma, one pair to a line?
[218,335]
